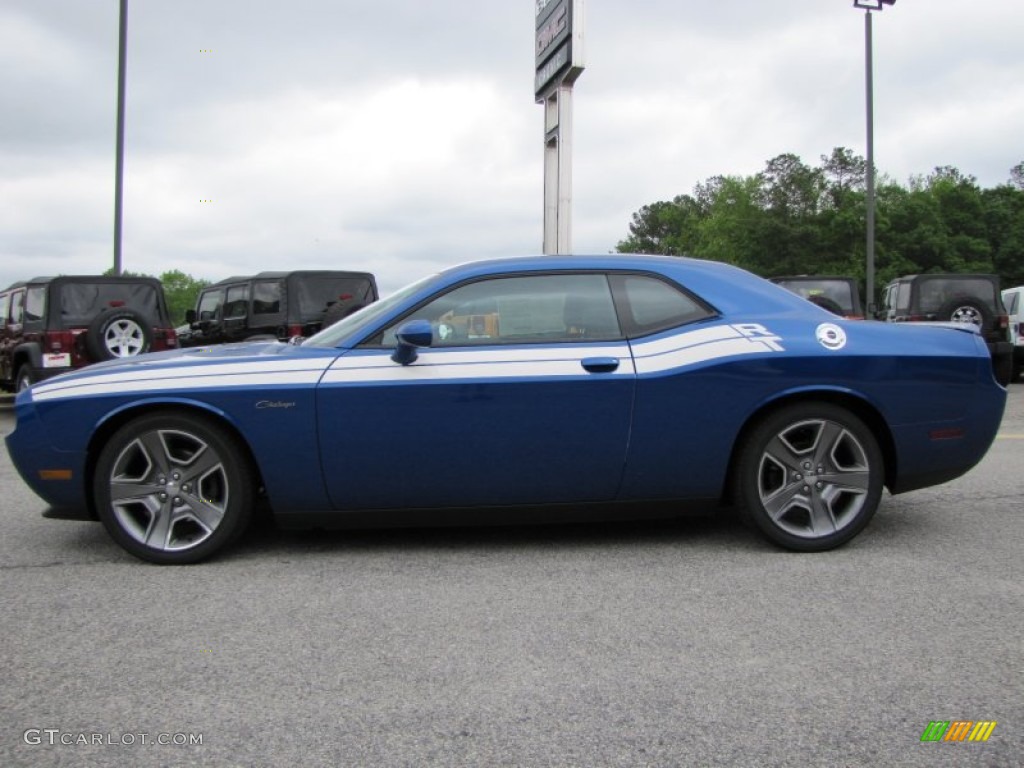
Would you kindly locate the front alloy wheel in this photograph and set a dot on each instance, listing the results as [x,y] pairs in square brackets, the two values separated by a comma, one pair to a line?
[173,488]
[810,476]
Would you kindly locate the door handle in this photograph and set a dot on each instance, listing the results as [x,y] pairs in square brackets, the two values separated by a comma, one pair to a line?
[600,364]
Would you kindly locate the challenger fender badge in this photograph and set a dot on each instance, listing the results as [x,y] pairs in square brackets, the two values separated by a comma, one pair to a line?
[831,336]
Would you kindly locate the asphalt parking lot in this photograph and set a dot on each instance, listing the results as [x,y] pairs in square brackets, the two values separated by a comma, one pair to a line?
[657,644]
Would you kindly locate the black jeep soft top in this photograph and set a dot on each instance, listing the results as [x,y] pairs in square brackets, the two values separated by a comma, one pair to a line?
[276,305]
[49,325]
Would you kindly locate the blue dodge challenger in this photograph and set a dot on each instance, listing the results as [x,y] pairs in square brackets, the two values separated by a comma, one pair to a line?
[535,388]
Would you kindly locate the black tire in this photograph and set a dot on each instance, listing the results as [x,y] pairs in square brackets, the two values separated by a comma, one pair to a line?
[809,476]
[826,303]
[173,488]
[25,378]
[1002,368]
[967,310]
[118,333]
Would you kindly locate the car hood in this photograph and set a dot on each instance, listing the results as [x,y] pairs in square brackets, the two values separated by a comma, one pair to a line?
[181,364]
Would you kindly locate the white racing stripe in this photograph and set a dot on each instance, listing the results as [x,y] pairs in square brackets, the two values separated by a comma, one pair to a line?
[702,346]
[489,363]
[661,355]
[267,373]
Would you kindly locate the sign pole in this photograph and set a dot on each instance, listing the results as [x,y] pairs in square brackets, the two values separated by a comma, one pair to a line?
[559,61]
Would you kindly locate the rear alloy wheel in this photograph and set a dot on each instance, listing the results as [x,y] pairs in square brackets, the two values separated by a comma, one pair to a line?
[810,476]
[173,488]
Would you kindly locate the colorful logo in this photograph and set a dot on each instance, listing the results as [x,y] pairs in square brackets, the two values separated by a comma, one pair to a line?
[958,730]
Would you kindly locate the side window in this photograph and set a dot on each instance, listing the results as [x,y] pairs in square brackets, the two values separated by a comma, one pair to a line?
[209,303]
[266,297]
[5,304]
[1011,306]
[35,304]
[903,296]
[18,308]
[236,303]
[654,305]
[531,309]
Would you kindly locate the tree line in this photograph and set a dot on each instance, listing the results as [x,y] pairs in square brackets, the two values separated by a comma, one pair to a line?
[792,218]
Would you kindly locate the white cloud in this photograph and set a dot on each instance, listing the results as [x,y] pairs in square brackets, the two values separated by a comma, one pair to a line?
[402,136]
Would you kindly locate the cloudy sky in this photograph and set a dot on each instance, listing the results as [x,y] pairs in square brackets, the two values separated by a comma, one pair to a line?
[401,136]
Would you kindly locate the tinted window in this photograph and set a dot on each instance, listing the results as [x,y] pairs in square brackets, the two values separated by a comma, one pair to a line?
[35,304]
[17,308]
[209,303]
[654,305]
[519,310]
[316,294]
[903,296]
[935,293]
[80,303]
[838,291]
[237,301]
[266,297]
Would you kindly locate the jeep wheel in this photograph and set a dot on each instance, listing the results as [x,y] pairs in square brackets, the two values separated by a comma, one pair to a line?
[24,379]
[967,310]
[118,333]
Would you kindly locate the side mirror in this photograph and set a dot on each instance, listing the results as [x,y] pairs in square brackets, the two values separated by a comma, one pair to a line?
[190,316]
[412,335]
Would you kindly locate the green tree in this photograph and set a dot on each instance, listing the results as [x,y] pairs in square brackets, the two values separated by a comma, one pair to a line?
[1017,175]
[793,218]
[181,291]
[664,227]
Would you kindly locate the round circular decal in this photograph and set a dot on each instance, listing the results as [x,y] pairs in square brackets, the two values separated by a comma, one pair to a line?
[831,336]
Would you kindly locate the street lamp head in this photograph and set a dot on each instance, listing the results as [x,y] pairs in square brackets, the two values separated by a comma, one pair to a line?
[872,5]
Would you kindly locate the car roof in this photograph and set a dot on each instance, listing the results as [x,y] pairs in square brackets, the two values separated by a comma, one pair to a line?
[729,288]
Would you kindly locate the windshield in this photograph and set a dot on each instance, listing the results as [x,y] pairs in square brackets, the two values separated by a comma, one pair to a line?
[366,317]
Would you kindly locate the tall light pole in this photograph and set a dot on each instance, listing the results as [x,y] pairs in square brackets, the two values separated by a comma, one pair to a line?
[122,38]
[869,6]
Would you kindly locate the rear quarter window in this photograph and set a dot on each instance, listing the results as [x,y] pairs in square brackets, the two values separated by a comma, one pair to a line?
[35,304]
[653,305]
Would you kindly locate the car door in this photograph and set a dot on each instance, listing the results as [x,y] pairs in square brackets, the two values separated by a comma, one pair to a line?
[524,396]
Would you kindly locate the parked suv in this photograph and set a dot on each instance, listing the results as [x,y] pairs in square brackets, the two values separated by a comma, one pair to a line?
[276,305]
[49,325]
[839,295]
[973,299]
[1013,300]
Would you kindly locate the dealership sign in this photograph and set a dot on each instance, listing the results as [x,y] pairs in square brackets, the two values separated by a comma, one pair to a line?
[558,43]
